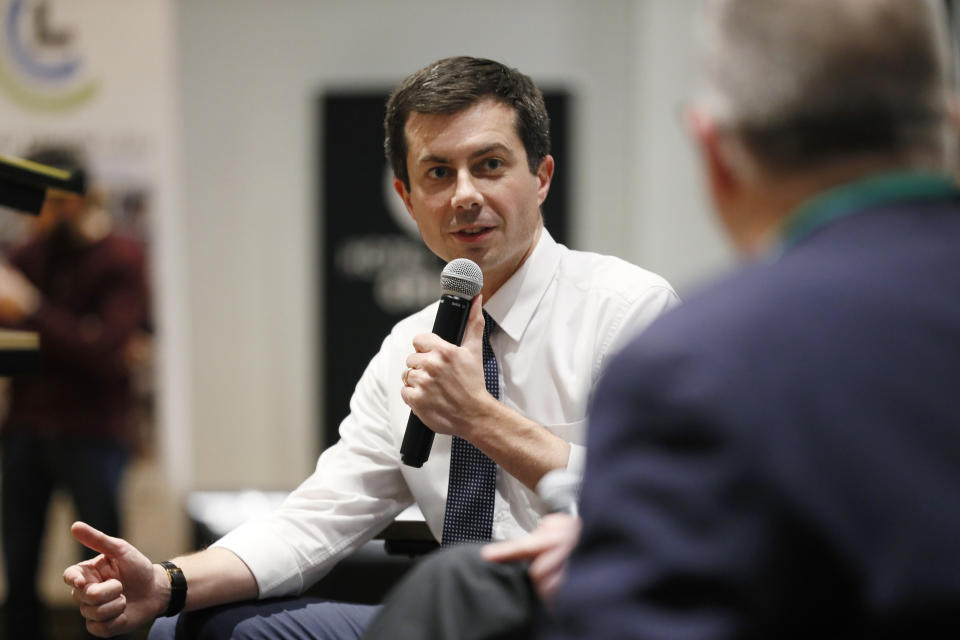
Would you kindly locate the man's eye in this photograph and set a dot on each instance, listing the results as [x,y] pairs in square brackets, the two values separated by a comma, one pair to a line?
[492,164]
[438,172]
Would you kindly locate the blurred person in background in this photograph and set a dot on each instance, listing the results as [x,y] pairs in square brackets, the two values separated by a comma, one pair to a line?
[779,457]
[83,290]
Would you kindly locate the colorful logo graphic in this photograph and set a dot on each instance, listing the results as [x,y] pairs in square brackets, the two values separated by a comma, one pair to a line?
[39,67]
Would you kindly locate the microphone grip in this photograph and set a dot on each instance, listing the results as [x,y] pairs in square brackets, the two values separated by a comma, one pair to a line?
[450,324]
[417,442]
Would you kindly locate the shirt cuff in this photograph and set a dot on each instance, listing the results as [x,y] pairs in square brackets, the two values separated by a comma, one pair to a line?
[272,564]
[577,460]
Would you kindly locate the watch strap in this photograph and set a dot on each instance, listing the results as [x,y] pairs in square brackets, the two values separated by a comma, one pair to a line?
[178,588]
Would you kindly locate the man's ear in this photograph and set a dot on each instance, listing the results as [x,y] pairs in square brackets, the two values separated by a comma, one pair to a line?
[720,176]
[736,180]
[544,176]
[404,194]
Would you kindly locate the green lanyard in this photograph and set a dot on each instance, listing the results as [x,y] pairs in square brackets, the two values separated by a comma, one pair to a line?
[836,203]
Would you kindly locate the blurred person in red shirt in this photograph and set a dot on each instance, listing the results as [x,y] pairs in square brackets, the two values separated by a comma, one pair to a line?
[83,290]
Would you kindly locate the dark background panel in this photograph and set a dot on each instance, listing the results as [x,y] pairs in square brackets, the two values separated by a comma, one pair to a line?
[374,269]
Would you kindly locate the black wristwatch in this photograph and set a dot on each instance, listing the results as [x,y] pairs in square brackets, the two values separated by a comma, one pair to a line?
[178,588]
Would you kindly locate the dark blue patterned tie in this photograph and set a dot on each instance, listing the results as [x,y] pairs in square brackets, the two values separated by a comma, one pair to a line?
[473,476]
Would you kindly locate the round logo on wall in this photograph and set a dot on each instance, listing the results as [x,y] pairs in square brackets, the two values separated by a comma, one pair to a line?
[40,67]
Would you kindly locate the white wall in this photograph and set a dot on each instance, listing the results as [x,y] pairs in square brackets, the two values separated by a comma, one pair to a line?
[251,71]
[670,227]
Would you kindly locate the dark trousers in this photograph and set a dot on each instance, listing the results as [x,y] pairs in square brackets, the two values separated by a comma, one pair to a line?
[280,619]
[32,467]
[451,595]
[457,595]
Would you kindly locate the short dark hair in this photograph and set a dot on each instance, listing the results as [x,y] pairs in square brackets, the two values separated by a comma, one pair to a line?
[453,84]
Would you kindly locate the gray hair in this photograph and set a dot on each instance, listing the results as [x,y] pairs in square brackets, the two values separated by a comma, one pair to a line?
[800,81]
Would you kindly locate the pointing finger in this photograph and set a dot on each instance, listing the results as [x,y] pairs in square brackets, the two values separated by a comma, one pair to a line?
[97,540]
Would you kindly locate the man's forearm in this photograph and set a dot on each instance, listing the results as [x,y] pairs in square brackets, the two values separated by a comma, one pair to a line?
[215,576]
[520,446]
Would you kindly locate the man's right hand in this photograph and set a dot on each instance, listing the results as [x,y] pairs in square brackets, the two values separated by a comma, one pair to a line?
[120,589]
[547,548]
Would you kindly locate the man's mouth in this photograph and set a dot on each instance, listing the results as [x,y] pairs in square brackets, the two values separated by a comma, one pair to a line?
[473,232]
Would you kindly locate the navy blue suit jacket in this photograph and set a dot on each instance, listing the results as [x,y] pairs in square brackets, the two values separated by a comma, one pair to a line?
[780,456]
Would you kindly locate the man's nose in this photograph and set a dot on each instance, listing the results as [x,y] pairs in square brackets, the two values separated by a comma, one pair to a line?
[467,195]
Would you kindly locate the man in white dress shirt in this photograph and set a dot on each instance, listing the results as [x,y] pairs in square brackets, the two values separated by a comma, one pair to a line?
[469,142]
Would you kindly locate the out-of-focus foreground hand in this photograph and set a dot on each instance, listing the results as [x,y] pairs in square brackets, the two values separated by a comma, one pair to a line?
[547,548]
[118,590]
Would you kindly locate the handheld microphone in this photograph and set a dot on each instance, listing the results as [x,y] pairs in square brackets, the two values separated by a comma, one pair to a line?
[460,283]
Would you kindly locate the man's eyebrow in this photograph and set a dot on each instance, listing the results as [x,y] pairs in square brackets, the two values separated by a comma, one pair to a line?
[432,159]
[435,159]
[496,146]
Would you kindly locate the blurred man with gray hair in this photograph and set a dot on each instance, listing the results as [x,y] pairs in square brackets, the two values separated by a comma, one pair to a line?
[780,456]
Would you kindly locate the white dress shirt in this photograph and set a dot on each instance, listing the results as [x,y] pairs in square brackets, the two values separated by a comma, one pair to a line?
[559,317]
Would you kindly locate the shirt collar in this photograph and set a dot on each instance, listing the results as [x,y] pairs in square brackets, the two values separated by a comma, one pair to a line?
[513,304]
[841,201]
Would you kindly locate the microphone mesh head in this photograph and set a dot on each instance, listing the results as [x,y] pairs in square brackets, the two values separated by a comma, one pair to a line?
[461,277]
